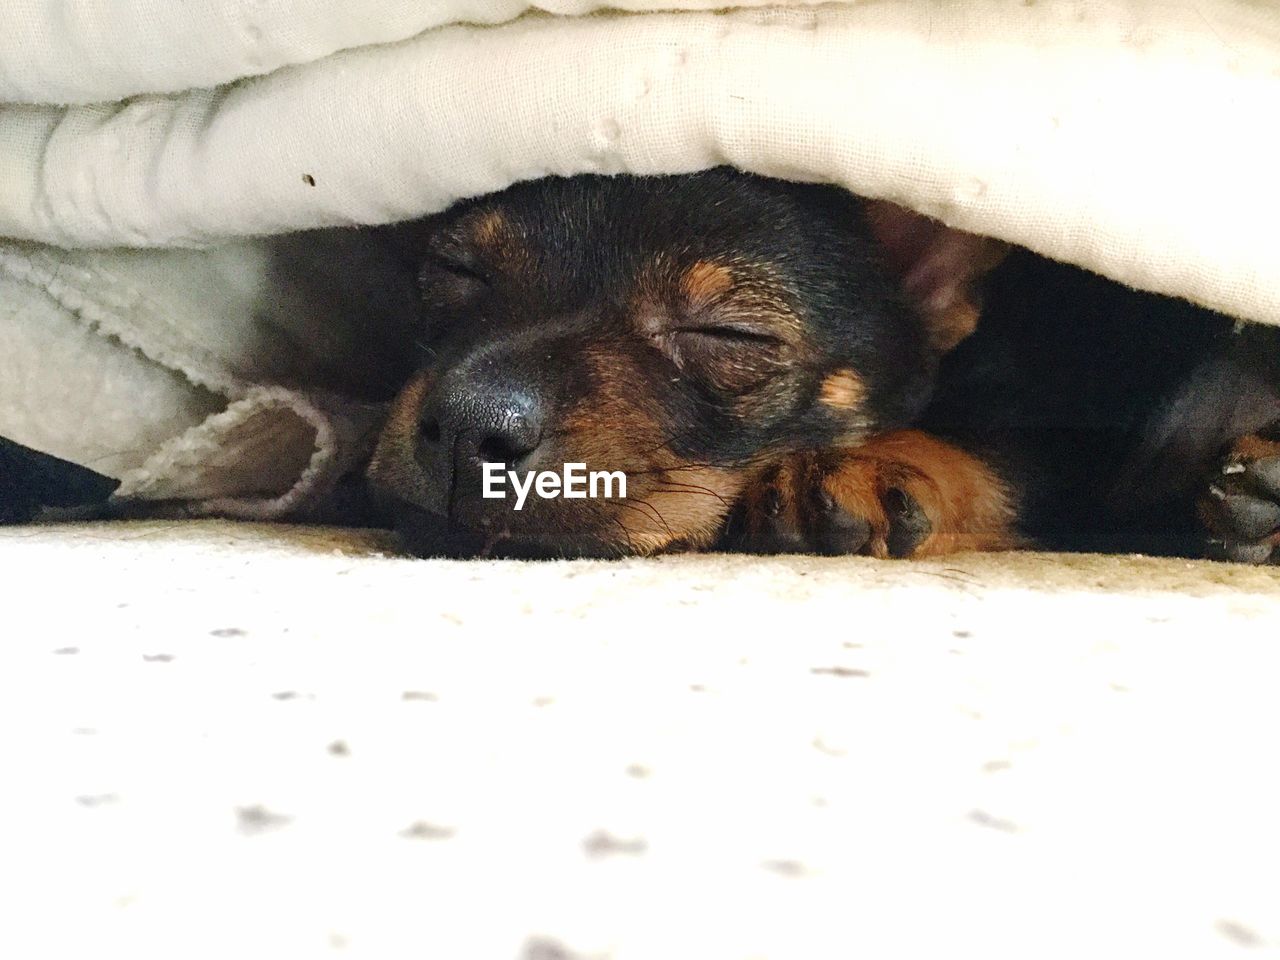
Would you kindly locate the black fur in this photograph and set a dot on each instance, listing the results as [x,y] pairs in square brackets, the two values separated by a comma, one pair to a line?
[31,481]
[1107,408]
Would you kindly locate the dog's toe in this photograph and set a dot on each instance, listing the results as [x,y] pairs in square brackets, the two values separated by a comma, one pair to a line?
[1263,475]
[909,525]
[1246,516]
[1240,508]
[837,530]
[1239,551]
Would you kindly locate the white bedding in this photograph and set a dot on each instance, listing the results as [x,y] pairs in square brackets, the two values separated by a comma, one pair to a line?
[1134,137]
[239,744]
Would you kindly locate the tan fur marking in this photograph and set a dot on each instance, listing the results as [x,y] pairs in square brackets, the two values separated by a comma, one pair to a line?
[393,465]
[497,241]
[705,281]
[670,502]
[684,504]
[490,228]
[842,390]
[949,326]
[1253,447]
[969,506]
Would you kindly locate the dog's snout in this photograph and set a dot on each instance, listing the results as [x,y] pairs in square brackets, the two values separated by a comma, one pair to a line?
[476,423]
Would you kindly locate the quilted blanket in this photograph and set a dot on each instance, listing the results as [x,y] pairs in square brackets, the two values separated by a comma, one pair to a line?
[1133,137]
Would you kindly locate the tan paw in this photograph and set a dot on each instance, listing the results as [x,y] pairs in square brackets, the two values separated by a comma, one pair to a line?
[903,494]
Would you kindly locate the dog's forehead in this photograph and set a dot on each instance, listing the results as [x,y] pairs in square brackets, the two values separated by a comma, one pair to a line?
[601,217]
[575,247]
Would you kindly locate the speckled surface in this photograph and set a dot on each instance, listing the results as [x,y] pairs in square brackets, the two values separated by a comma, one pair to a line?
[227,741]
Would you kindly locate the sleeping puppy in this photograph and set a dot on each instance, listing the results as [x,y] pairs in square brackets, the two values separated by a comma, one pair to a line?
[781,367]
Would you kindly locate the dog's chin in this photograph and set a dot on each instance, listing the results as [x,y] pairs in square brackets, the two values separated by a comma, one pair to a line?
[427,534]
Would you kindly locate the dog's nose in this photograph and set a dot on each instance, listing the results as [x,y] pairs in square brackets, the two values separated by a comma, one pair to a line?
[472,424]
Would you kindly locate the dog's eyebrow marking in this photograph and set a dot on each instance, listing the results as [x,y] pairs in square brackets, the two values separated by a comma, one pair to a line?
[704,281]
[842,390]
[498,240]
[489,228]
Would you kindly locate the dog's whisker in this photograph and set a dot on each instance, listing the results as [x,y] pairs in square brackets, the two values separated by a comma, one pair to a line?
[693,490]
[665,444]
[626,534]
[692,465]
[643,507]
[640,506]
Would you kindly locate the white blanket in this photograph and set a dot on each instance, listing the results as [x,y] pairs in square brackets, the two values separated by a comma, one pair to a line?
[229,744]
[1134,137]
[215,379]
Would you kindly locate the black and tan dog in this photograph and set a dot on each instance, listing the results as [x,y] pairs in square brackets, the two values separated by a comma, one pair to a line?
[781,367]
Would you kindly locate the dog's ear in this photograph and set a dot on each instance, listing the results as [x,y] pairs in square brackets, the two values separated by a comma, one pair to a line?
[937,267]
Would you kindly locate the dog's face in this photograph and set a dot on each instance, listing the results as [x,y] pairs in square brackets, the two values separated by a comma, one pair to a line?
[686,331]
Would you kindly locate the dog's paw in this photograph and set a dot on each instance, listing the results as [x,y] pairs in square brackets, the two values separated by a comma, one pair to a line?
[904,494]
[1240,507]
[835,502]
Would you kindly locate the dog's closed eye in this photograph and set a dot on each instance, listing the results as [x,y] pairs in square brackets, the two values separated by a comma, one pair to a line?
[728,346]
[730,334]
[451,276]
[725,355]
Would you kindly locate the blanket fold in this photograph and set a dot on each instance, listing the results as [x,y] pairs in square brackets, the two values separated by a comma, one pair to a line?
[239,380]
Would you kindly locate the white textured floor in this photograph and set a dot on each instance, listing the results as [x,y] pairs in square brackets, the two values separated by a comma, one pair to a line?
[232,742]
